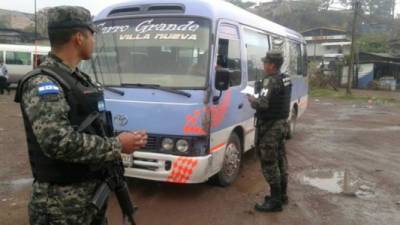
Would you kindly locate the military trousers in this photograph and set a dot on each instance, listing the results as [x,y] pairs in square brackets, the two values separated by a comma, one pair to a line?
[270,146]
[64,205]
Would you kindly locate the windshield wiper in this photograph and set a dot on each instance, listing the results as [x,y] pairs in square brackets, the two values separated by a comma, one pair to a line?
[158,87]
[114,90]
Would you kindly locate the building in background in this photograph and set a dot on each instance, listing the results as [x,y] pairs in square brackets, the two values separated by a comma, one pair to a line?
[375,70]
[14,36]
[324,41]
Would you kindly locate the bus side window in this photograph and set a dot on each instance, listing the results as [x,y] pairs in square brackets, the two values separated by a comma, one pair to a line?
[229,58]
[296,59]
[257,44]
[305,60]
[299,60]
[18,58]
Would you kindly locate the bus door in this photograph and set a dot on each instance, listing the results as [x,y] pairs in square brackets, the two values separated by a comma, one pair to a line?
[226,112]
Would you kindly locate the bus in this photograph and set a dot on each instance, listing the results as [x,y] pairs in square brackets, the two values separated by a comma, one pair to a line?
[178,70]
[20,59]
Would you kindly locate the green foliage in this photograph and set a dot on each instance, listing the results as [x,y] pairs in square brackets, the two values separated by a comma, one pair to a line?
[374,8]
[356,96]
[377,43]
[304,14]
[396,29]
[324,92]
[242,4]
[301,15]
[325,4]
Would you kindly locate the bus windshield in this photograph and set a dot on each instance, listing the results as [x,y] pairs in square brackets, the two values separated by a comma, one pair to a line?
[170,52]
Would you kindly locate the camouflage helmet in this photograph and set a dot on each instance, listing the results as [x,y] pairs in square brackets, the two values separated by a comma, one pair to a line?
[64,17]
[274,57]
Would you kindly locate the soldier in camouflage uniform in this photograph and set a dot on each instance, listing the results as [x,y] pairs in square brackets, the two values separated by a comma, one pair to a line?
[65,160]
[272,110]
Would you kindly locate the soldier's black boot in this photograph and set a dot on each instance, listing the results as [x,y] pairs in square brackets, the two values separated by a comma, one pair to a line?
[273,203]
[285,198]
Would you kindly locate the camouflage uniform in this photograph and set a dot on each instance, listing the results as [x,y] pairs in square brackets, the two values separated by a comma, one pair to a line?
[48,116]
[60,204]
[272,110]
[270,138]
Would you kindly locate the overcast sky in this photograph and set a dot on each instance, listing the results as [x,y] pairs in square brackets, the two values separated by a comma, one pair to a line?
[95,6]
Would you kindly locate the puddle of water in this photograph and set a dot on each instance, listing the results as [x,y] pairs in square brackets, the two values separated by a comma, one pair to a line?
[338,182]
[354,129]
[327,180]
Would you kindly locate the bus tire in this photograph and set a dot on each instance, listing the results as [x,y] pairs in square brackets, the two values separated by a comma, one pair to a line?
[292,124]
[232,162]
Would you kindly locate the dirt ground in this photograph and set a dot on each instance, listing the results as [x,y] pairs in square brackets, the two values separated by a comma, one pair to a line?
[344,169]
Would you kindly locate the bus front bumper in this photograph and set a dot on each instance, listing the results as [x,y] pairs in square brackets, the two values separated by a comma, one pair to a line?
[168,168]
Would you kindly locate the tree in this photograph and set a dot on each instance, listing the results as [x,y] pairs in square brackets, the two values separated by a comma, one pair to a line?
[374,8]
[377,43]
[396,29]
[325,4]
[303,14]
[241,4]
[42,20]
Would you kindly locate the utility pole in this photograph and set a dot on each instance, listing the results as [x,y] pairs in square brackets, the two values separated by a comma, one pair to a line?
[394,9]
[36,31]
[353,47]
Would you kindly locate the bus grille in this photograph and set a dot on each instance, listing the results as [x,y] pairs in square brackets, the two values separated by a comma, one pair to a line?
[151,143]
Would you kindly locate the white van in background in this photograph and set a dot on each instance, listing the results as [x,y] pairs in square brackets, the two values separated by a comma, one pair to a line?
[20,59]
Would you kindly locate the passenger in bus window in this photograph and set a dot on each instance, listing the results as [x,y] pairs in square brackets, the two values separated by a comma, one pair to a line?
[272,111]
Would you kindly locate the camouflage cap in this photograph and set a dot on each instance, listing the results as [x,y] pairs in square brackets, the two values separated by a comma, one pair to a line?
[273,56]
[62,17]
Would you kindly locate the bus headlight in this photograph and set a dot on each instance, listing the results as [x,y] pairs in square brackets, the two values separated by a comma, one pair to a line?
[182,145]
[167,144]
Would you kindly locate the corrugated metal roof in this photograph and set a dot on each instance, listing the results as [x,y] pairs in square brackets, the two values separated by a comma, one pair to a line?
[336,43]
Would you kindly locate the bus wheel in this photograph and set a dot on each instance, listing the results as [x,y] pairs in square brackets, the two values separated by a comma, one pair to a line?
[232,160]
[292,124]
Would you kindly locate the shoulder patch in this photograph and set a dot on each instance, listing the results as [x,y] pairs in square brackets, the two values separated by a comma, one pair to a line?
[46,88]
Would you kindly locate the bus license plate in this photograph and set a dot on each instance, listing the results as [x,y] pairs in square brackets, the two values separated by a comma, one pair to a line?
[127,159]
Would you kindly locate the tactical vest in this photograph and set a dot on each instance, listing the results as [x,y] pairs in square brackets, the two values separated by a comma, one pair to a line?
[279,102]
[86,115]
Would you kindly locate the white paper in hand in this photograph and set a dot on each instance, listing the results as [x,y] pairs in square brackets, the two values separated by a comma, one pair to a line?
[249,90]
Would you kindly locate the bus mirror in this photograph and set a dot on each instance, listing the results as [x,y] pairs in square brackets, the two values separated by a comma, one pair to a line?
[222,79]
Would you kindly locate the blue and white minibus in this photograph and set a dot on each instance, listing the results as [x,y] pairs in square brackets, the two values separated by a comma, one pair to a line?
[158,61]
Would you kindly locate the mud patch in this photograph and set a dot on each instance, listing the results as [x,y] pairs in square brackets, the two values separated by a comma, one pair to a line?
[338,182]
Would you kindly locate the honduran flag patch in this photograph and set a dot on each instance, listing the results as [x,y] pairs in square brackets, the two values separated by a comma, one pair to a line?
[48,88]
